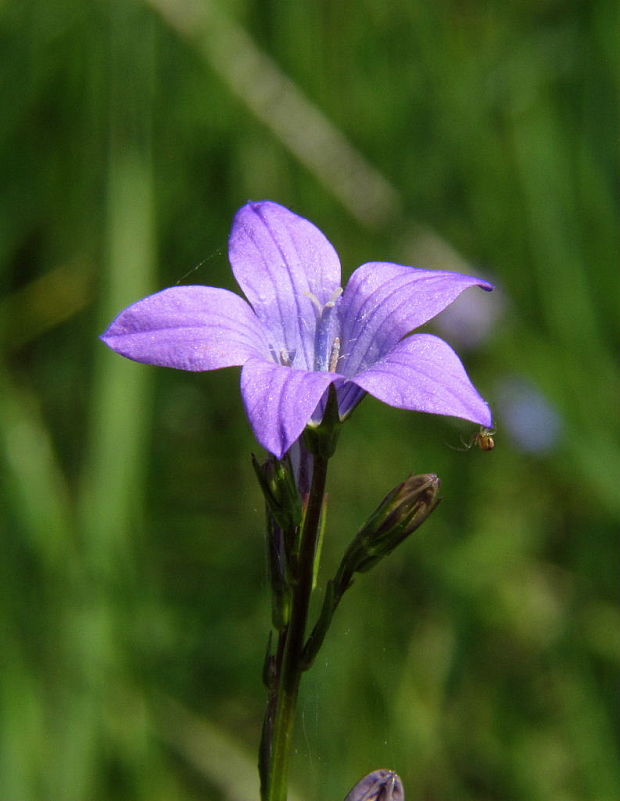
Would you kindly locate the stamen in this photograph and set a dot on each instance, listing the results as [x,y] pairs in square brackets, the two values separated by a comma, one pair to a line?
[286,359]
[327,330]
[334,356]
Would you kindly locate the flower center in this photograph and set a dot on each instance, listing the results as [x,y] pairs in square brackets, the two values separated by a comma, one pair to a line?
[326,340]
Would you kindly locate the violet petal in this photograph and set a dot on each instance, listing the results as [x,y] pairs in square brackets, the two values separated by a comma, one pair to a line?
[280,260]
[424,374]
[279,401]
[190,328]
[383,302]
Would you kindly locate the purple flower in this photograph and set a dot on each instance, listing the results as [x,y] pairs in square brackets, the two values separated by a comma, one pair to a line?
[299,332]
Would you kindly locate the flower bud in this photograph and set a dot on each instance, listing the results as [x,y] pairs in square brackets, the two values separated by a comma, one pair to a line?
[380,785]
[398,515]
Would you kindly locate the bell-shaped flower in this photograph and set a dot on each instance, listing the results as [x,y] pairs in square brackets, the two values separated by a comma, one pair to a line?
[298,332]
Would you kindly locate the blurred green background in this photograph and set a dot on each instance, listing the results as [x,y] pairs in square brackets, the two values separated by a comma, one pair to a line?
[481,661]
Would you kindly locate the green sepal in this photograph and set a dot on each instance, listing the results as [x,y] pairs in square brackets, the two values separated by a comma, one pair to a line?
[321,439]
[269,665]
[277,563]
[319,544]
[277,482]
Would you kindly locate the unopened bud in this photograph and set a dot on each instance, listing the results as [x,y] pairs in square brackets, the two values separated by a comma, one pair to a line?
[380,785]
[398,515]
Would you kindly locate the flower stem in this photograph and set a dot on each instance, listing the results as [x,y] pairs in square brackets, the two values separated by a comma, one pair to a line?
[280,716]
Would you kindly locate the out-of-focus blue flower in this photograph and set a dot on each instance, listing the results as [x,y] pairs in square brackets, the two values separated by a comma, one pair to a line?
[299,331]
[528,417]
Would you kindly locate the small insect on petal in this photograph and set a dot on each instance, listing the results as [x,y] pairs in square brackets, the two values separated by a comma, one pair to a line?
[484,439]
[380,785]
